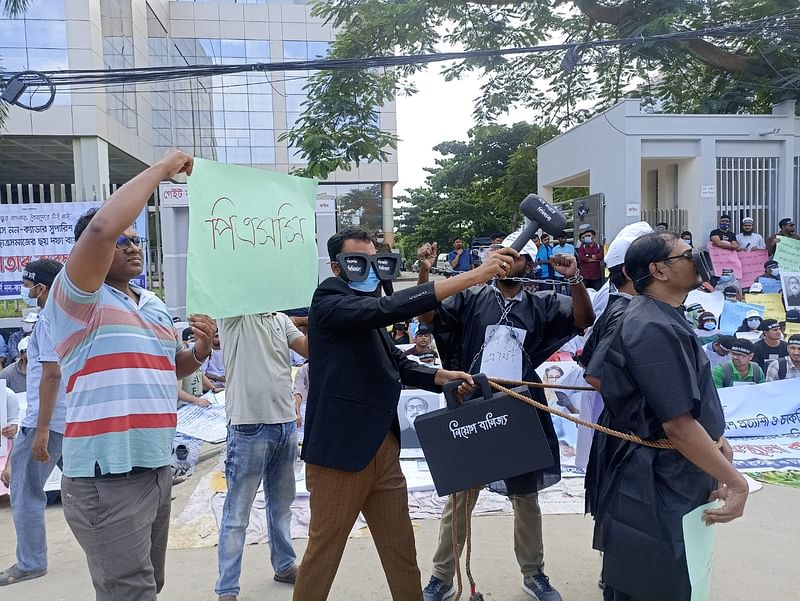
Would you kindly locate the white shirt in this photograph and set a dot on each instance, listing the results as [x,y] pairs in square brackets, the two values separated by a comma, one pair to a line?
[753,240]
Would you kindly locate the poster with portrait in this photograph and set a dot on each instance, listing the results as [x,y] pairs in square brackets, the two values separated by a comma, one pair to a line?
[413,403]
[567,401]
[791,289]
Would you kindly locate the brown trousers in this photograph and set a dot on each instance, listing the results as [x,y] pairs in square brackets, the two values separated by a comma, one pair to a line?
[379,492]
[122,525]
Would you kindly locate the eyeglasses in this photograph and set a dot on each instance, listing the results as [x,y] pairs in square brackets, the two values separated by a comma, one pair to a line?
[124,242]
[687,255]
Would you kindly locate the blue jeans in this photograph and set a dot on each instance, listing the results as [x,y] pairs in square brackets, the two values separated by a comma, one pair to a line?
[28,499]
[257,452]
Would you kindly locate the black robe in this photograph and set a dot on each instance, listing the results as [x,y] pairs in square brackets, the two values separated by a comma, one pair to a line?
[460,325]
[654,370]
[592,359]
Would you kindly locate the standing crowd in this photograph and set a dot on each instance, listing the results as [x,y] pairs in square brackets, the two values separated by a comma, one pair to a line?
[101,363]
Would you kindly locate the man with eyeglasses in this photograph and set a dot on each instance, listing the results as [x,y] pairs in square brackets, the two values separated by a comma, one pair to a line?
[120,356]
[656,382]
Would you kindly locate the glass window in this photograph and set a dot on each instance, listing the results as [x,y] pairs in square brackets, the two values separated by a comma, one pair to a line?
[12,34]
[232,48]
[262,155]
[291,119]
[293,50]
[294,103]
[46,34]
[260,120]
[262,137]
[45,9]
[236,119]
[13,59]
[318,49]
[260,102]
[257,49]
[295,82]
[239,155]
[236,102]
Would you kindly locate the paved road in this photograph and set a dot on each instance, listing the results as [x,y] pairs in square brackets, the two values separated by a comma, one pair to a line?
[756,559]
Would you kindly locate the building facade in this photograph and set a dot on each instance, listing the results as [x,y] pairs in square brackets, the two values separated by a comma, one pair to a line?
[91,140]
[685,170]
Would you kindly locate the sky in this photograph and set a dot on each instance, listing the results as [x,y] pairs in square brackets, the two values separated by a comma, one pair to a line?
[441,110]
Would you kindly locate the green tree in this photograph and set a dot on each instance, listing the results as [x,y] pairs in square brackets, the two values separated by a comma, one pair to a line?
[747,72]
[475,188]
[11,8]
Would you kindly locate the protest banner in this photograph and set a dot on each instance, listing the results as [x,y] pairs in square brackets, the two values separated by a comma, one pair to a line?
[787,254]
[792,328]
[251,235]
[752,265]
[772,303]
[766,453]
[722,258]
[769,285]
[710,301]
[733,315]
[43,231]
[791,289]
[768,409]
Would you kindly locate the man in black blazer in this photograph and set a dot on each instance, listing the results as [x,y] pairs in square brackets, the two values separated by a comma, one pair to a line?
[352,433]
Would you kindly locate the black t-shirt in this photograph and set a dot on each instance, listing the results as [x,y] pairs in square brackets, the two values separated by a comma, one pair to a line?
[724,235]
[764,354]
[591,359]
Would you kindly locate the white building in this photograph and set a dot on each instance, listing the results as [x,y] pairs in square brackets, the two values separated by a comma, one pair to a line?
[685,170]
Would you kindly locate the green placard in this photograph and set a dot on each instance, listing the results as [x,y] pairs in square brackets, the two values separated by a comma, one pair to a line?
[787,254]
[252,246]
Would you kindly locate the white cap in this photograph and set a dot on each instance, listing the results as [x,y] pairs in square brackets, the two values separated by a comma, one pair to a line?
[22,346]
[619,247]
[756,287]
[529,248]
[31,317]
[747,220]
[752,313]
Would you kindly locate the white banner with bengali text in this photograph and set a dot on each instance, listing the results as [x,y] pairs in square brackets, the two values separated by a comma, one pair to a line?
[42,230]
[768,409]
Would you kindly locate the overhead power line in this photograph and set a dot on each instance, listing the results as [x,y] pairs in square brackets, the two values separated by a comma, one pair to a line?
[781,25]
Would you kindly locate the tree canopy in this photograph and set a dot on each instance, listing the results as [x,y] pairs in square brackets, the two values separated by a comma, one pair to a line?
[475,188]
[743,73]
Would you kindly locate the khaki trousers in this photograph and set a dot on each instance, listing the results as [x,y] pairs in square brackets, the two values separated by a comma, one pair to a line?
[528,545]
[379,493]
[122,524]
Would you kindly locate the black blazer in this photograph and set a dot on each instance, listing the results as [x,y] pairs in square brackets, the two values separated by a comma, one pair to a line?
[356,373]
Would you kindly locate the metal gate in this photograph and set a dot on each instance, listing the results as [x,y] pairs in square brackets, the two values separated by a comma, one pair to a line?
[748,187]
[590,210]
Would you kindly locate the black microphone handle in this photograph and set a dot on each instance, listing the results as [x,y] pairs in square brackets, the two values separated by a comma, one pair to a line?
[525,235]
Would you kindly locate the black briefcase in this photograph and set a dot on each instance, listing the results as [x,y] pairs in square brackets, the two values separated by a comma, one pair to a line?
[482,440]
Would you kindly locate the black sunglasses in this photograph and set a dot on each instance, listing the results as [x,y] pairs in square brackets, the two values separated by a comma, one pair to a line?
[355,266]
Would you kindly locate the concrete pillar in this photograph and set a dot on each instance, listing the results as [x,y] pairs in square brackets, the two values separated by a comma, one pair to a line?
[708,177]
[90,164]
[387,206]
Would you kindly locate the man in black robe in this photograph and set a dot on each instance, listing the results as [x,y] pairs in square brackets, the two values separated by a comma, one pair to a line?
[504,331]
[656,382]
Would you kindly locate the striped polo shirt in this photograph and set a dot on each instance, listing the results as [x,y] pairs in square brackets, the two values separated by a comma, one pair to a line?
[118,360]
